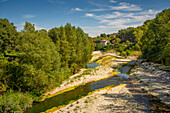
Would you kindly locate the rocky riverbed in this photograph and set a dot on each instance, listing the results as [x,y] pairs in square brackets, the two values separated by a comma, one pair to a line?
[114,100]
[87,75]
[153,79]
[146,90]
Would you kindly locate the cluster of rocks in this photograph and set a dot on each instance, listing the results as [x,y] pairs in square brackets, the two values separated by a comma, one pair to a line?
[157,69]
[153,78]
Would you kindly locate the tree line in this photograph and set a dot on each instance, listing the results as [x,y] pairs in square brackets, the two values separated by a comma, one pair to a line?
[37,61]
[152,39]
[33,62]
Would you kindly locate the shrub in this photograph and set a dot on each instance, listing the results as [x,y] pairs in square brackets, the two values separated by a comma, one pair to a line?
[15,102]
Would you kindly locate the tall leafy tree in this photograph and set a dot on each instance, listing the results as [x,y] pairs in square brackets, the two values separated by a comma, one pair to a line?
[8,36]
[156,38]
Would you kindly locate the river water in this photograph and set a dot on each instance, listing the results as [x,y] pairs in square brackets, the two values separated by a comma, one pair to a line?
[85,89]
[78,92]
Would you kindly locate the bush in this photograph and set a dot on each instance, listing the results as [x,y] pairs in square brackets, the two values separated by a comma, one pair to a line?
[15,102]
[127,52]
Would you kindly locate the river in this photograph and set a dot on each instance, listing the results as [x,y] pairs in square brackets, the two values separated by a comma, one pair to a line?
[79,91]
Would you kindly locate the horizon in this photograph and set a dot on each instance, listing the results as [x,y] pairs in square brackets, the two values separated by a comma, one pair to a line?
[93,16]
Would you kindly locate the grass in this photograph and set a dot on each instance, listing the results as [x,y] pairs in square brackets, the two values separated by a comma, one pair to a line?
[104,59]
[87,72]
[94,60]
[76,108]
[71,81]
[138,79]
[71,105]
[86,101]
[141,81]
[135,53]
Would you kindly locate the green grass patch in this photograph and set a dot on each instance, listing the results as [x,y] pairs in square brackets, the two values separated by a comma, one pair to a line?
[104,59]
[86,101]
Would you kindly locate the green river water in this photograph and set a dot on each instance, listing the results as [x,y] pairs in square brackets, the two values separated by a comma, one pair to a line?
[85,89]
[78,92]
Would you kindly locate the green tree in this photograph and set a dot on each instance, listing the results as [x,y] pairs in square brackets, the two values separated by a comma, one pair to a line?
[155,40]
[8,37]
[13,102]
[103,35]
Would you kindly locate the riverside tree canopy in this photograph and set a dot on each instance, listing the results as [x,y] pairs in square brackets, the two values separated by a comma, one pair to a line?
[38,61]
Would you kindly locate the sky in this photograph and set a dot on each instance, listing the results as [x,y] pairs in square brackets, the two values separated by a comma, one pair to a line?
[93,16]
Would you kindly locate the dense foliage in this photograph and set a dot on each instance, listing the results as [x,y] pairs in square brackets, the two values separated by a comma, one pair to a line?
[37,61]
[155,42]
[12,102]
[126,42]
[152,39]
[33,62]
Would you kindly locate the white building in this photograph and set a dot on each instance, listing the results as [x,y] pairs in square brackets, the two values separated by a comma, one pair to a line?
[104,42]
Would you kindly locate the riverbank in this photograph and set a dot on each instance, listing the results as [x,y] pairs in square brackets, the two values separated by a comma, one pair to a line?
[87,75]
[146,91]
[136,95]
[153,79]
[117,99]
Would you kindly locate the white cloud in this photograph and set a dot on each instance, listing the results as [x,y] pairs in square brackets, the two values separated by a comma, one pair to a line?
[56,1]
[98,10]
[89,15]
[38,27]
[126,7]
[132,16]
[96,31]
[51,1]
[95,4]
[76,9]
[3,0]
[28,16]
[113,1]
[150,11]
[120,18]
[113,15]
[111,22]
[21,25]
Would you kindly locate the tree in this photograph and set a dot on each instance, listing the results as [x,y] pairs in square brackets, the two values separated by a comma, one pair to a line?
[15,102]
[103,35]
[8,37]
[54,35]
[29,27]
[138,33]
[156,38]
[37,61]
[98,47]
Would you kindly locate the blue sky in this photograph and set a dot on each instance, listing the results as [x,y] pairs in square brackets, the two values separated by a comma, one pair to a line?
[93,16]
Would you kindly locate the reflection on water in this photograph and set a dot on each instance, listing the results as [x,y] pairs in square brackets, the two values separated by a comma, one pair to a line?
[78,92]
[92,65]
[123,76]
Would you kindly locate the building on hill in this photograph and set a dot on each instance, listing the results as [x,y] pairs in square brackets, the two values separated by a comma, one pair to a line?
[104,42]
